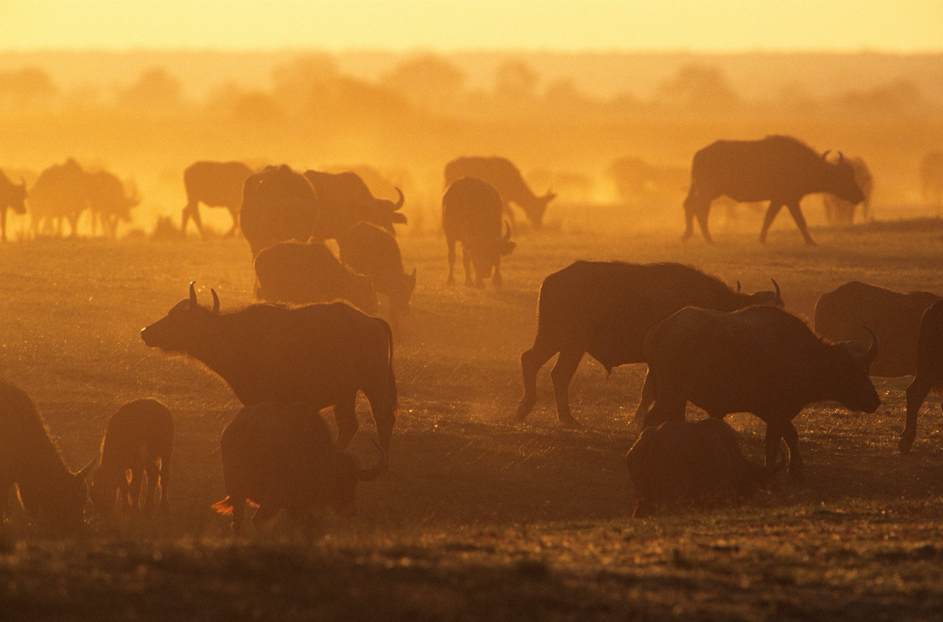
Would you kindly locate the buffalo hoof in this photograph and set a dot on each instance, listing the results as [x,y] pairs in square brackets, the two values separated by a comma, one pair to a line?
[523,410]
[796,476]
[571,423]
[905,444]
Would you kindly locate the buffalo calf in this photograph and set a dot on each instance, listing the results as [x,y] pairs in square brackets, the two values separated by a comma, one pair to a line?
[139,439]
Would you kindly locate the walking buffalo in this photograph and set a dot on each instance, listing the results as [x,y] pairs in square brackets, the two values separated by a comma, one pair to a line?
[838,211]
[346,200]
[280,456]
[506,179]
[12,197]
[760,360]
[139,438]
[109,201]
[29,459]
[305,273]
[928,370]
[59,194]
[605,309]
[278,205]
[471,214]
[215,184]
[692,463]
[320,354]
[778,169]
[893,316]
[370,250]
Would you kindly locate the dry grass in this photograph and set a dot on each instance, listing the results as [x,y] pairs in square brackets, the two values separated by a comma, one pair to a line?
[478,518]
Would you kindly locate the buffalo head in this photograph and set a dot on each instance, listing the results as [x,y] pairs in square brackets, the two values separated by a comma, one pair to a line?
[852,381]
[183,326]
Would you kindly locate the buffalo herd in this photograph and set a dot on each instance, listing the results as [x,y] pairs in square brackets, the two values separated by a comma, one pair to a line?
[315,343]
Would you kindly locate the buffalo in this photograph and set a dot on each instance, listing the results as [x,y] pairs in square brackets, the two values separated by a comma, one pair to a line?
[506,179]
[215,184]
[778,169]
[346,200]
[760,360]
[12,197]
[320,354]
[304,273]
[29,459]
[838,211]
[59,194]
[278,205]
[280,456]
[139,438]
[605,309]
[893,316]
[109,201]
[928,370]
[692,463]
[471,214]
[370,250]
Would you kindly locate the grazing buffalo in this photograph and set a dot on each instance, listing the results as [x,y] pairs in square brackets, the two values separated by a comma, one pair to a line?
[370,250]
[346,200]
[320,354]
[893,316]
[278,205]
[692,463]
[109,202]
[838,211]
[931,176]
[29,459]
[778,169]
[215,184]
[12,197]
[506,179]
[139,438]
[305,273]
[280,456]
[471,214]
[605,309]
[60,193]
[928,372]
[760,360]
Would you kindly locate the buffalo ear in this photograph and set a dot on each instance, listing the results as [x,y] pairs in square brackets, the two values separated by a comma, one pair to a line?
[399,218]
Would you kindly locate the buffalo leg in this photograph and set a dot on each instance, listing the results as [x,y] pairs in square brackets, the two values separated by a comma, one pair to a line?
[384,414]
[238,514]
[191,211]
[124,492]
[467,263]
[265,515]
[645,402]
[137,479]
[561,374]
[235,223]
[497,280]
[3,223]
[151,470]
[164,480]
[796,213]
[531,362]
[771,212]
[916,394]
[345,414]
[451,244]
[702,214]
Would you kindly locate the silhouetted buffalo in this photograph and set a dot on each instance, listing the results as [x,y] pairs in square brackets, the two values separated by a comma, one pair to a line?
[346,200]
[506,179]
[779,169]
[280,456]
[305,273]
[369,250]
[760,360]
[928,370]
[28,458]
[215,184]
[278,205]
[893,316]
[60,193]
[109,202]
[692,463]
[838,211]
[931,176]
[471,214]
[605,309]
[12,197]
[139,438]
[320,354]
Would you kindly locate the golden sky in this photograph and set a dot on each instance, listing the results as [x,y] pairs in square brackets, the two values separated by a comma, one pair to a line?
[599,25]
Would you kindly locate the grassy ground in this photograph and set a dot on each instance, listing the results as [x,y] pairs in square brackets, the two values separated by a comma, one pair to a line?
[478,518]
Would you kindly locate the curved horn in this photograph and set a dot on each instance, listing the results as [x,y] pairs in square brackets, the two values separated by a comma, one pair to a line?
[215,301]
[402,199]
[779,294]
[738,287]
[193,303]
[825,153]
[841,157]
[366,475]
[507,232]
[872,352]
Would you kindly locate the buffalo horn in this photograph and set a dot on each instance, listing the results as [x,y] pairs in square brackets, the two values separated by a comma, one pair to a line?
[825,154]
[779,295]
[215,301]
[872,352]
[366,475]
[193,302]
[841,157]
[738,287]
[402,199]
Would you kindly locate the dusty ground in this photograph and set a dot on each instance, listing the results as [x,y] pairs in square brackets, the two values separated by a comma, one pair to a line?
[478,518]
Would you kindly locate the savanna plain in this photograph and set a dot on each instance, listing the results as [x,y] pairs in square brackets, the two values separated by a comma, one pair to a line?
[478,517]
